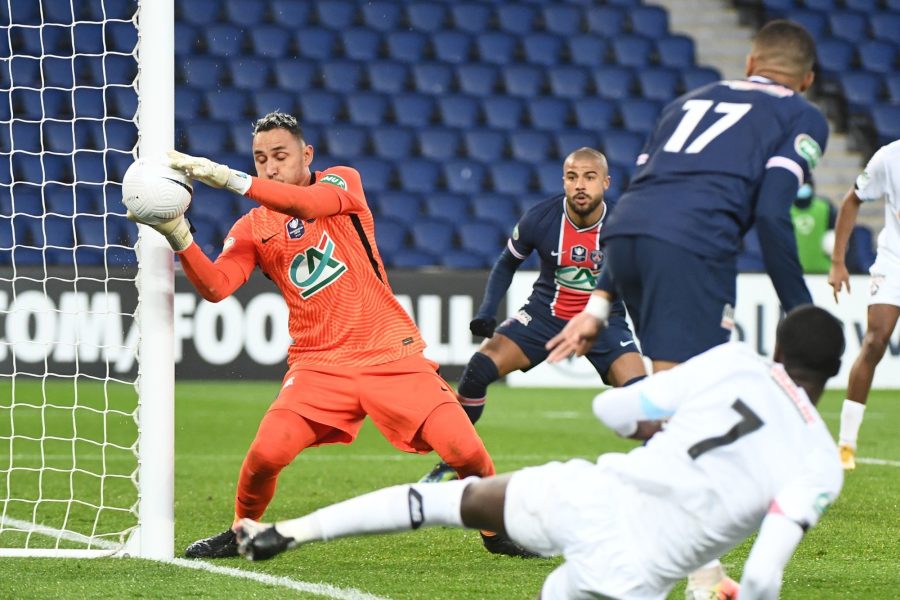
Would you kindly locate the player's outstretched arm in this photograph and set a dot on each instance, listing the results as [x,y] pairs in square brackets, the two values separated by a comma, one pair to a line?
[579,334]
[838,275]
[208,172]
[778,538]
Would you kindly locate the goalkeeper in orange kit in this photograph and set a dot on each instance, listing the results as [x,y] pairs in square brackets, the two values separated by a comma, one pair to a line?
[355,351]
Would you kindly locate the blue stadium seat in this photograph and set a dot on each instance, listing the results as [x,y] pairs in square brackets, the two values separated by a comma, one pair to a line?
[295,75]
[886,27]
[877,56]
[59,231]
[587,50]
[413,110]
[608,21]
[614,82]
[361,44]
[484,239]
[892,84]
[26,136]
[561,19]
[367,108]
[427,16]
[698,76]
[265,101]
[464,259]
[548,113]
[341,75]
[227,104]
[439,143]
[886,119]
[477,79]
[122,101]
[503,112]
[224,39]
[632,50]
[834,55]
[202,71]
[89,167]
[530,146]
[433,235]
[113,69]
[499,209]
[594,114]
[419,175]
[550,182]
[400,205]
[510,177]
[316,43]
[270,41]
[319,106]
[460,111]
[453,47]
[393,143]
[433,78]
[335,14]
[848,25]
[496,47]
[816,23]
[186,39]
[569,140]
[413,258]
[449,206]
[622,147]
[650,21]
[116,165]
[382,16]
[516,18]
[464,175]
[676,51]
[248,13]
[120,135]
[543,49]
[206,137]
[821,5]
[345,141]
[569,81]
[485,145]
[202,12]
[660,83]
[639,115]
[56,71]
[408,46]
[870,6]
[120,37]
[377,173]
[188,102]
[471,17]
[212,204]
[390,236]
[523,80]
[290,13]
[250,73]
[240,136]
[88,39]
[388,76]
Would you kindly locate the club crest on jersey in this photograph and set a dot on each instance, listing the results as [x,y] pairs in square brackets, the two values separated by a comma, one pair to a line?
[597,257]
[808,148]
[579,253]
[315,268]
[335,180]
[295,228]
[581,279]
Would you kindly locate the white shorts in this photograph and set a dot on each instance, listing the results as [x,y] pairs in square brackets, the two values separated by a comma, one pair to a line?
[884,285]
[574,509]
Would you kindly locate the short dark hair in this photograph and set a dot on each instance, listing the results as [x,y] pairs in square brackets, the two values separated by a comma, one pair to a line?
[811,338]
[279,120]
[790,41]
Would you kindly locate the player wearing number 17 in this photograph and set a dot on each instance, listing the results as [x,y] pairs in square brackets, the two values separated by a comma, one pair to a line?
[721,158]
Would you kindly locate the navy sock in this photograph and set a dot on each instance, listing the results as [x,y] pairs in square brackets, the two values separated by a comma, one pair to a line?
[478,374]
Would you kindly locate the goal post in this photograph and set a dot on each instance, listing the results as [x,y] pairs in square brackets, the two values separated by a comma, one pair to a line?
[86,299]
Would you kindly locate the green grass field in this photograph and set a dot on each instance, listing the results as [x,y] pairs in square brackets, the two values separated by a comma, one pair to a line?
[854,553]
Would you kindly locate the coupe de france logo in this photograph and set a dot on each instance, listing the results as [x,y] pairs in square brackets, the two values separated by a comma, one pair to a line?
[315,268]
[335,180]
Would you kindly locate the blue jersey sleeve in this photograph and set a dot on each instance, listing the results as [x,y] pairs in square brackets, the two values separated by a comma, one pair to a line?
[523,239]
[803,146]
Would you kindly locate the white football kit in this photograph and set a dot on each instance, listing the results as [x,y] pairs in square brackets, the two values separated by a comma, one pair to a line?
[881,177]
[742,441]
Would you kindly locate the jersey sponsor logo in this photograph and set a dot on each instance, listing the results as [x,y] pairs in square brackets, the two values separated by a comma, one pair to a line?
[335,180]
[581,279]
[315,268]
[579,253]
[295,229]
[229,242]
[522,317]
[808,148]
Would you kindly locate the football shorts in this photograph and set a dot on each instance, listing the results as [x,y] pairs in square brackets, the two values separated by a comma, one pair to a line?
[884,284]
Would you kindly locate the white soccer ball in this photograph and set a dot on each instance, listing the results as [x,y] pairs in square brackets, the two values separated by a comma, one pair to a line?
[155,193]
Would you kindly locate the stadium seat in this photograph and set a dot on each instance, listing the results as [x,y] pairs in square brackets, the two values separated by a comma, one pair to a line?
[433,235]
[342,76]
[835,56]
[25,136]
[482,238]
[530,146]
[120,135]
[622,147]
[471,17]
[886,27]
[408,46]
[698,76]
[381,16]
[426,16]
[549,179]
[413,110]
[614,82]
[250,73]
[271,41]
[523,80]
[246,12]
[569,81]
[503,112]
[485,145]
[477,79]
[56,71]
[227,104]
[587,50]
[202,71]
[400,205]
[413,259]
[319,106]
[433,78]
[377,173]
[419,175]
[510,177]
[393,143]
[464,259]
[606,20]
[316,43]
[367,108]
[439,143]
[206,137]
[821,5]
[202,13]
[886,119]
[860,90]
[569,140]
[295,75]
[516,18]
[116,165]
[265,101]
[464,175]
[816,23]
[660,83]
[59,232]
[345,141]
[454,47]
[542,49]
[496,47]
[361,44]
[848,25]
[390,235]
[448,206]
[459,111]
[212,204]
[676,51]
[335,14]
[122,101]
[892,83]
[548,113]
[594,114]
[877,56]
[869,6]
[290,13]
[87,166]
[639,115]
[561,19]
[186,39]
[632,50]
[499,209]
[650,21]
[224,39]
[388,76]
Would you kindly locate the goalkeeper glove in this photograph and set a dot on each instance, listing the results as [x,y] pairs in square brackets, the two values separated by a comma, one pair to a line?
[176,231]
[483,326]
[210,173]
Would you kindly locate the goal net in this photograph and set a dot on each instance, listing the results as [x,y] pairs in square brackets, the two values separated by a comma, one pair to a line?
[72,409]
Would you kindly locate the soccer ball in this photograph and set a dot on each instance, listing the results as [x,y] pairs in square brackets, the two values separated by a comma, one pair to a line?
[154,193]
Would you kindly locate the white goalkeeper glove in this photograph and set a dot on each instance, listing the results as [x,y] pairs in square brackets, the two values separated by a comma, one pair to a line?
[210,173]
[176,231]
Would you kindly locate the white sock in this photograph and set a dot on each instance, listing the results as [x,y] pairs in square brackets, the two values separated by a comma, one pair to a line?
[851,419]
[397,508]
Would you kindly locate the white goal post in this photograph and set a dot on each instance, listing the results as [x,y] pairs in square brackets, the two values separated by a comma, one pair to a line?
[86,301]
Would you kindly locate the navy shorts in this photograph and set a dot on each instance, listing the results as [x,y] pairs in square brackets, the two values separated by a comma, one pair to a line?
[533,326]
[681,303]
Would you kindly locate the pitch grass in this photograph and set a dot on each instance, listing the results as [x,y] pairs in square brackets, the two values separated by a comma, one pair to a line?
[854,553]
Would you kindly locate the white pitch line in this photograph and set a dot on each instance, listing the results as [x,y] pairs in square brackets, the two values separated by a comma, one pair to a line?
[879,461]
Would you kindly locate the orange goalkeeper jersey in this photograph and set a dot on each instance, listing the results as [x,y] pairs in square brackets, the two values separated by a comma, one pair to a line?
[341,307]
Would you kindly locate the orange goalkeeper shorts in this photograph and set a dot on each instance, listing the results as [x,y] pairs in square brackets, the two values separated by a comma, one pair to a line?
[398,396]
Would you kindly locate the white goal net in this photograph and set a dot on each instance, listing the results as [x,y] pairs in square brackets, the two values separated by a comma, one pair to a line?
[70,407]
